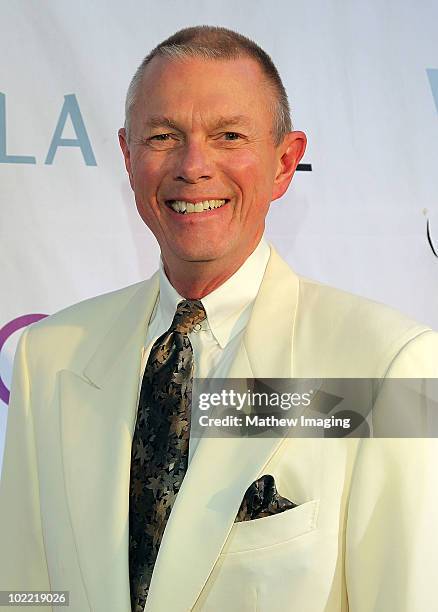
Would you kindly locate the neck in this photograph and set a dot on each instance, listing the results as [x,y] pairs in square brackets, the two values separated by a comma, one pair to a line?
[193,280]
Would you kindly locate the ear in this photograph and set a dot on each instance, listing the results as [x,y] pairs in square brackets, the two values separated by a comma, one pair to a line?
[290,152]
[126,154]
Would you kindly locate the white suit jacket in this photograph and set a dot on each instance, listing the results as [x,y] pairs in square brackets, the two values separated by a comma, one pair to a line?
[364,534]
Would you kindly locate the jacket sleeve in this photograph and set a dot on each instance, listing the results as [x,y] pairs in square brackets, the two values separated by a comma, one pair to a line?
[392,525]
[23,563]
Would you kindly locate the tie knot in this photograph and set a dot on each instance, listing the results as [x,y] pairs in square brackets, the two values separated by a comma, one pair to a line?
[188,314]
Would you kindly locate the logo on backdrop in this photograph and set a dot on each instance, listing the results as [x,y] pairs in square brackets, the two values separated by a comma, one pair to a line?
[432,74]
[5,332]
[429,236]
[70,109]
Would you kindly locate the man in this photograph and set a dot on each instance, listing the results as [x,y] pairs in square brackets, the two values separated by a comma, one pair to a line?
[208,145]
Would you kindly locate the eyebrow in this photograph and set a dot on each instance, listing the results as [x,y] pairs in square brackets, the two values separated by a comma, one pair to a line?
[157,121]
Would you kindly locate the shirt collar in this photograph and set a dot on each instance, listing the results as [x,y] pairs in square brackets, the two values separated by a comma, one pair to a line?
[228,307]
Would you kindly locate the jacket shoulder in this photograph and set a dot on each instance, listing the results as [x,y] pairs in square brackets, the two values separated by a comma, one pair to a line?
[102,306]
[357,336]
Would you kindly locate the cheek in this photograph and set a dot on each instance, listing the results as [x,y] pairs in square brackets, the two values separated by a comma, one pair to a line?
[235,173]
[146,181]
[252,176]
[250,169]
[147,173]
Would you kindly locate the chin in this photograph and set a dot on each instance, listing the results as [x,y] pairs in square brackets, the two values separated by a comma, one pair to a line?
[194,252]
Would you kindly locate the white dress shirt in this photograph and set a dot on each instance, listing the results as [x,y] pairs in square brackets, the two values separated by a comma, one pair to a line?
[228,310]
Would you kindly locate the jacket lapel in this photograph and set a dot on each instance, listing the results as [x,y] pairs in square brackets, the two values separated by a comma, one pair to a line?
[98,413]
[213,488]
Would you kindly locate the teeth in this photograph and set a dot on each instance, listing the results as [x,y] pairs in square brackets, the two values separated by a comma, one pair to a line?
[182,206]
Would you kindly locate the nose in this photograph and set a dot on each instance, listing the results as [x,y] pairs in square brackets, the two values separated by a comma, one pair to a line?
[194,163]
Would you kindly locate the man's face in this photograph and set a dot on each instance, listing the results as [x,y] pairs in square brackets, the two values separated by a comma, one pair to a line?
[201,130]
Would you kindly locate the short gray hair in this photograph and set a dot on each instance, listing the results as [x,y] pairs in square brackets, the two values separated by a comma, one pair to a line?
[212,42]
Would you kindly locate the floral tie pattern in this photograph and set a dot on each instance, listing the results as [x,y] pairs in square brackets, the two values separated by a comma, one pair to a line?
[160,445]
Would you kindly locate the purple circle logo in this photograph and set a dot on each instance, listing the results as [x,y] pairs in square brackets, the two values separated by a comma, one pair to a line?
[5,332]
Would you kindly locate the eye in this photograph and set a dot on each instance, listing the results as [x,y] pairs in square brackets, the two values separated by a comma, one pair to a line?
[160,137]
[233,135]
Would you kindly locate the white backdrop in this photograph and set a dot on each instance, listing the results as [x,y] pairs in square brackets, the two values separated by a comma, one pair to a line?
[362,79]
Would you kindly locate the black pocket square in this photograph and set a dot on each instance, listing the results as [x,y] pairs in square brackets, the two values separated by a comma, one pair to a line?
[262,499]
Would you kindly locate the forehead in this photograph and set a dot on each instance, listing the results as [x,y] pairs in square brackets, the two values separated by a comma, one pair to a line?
[198,86]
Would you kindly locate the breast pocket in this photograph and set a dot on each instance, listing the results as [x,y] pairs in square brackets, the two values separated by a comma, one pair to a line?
[271,530]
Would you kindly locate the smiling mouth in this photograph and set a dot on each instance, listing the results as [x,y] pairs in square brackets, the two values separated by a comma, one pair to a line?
[185,207]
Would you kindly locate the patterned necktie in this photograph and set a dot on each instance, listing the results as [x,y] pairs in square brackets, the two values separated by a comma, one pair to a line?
[160,444]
